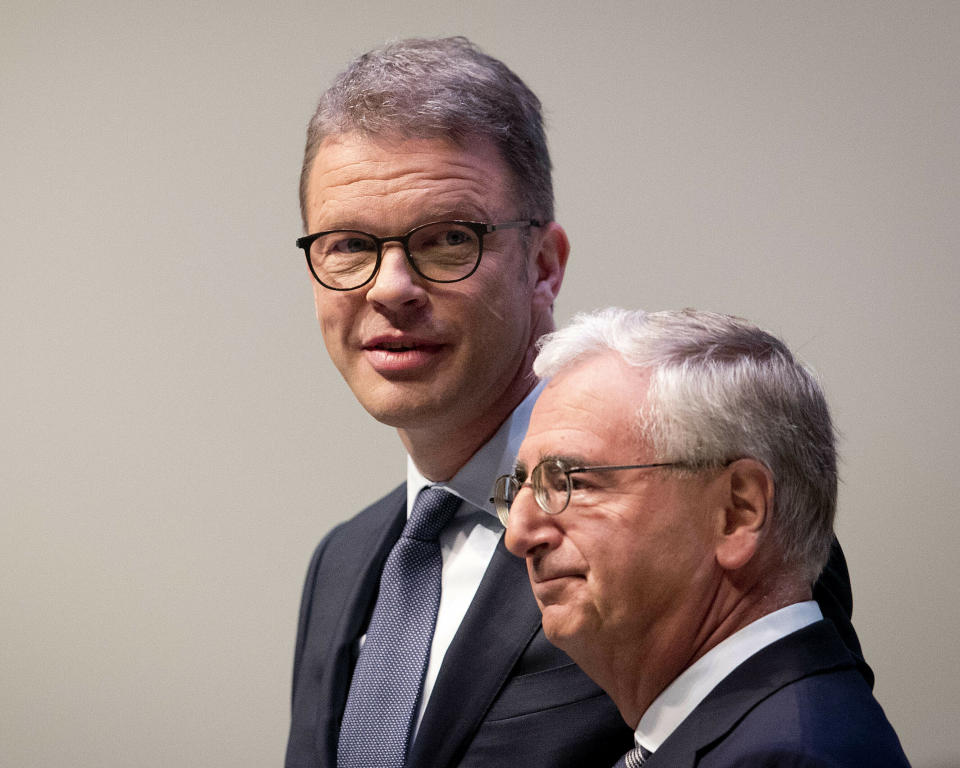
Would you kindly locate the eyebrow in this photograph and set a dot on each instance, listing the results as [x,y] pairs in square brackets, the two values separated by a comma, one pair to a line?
[572,461]
[430,216]
[451,214]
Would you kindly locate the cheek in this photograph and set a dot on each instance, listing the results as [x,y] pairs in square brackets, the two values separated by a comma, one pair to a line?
[618,565]
[504,323]
[503,292]
[335,314]
[614,586]
[492,327]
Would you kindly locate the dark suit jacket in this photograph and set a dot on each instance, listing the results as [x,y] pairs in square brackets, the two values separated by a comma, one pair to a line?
[504,696]
[799,702]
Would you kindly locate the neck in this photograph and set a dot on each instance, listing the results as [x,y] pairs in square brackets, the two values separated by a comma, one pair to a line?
[638,672]
[440,450]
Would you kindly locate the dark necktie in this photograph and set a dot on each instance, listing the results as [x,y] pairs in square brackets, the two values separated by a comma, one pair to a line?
[634,758]
[388,678]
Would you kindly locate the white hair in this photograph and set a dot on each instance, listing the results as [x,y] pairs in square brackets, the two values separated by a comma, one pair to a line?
[723,389]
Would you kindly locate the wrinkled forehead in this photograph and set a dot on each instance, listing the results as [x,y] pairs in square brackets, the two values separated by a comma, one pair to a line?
[442,179]
[588,412]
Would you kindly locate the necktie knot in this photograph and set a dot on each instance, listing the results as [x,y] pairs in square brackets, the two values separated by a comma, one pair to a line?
[431,512]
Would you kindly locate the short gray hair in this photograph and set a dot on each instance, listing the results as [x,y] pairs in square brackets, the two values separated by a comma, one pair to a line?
[722,389]
[446,88]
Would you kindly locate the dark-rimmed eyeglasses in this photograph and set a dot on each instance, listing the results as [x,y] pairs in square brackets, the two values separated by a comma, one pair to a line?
[441,251]
[552,484]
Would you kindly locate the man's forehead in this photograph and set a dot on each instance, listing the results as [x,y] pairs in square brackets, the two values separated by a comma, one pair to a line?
[357,180]
[600,382]
[588,410]
[380,157]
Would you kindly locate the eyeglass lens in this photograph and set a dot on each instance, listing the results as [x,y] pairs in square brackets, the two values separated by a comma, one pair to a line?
[551,486]
[551,489]
[504,492]
[445,251]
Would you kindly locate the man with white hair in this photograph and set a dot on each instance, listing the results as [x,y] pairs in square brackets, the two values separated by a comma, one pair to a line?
[674,499]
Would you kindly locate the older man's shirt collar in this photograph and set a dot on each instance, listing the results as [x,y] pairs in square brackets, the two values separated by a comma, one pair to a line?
[683,695]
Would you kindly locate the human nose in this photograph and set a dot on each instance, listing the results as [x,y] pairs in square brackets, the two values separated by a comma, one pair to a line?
[530,530]
[395,284]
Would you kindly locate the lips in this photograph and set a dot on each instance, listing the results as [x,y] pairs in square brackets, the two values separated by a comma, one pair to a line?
[544,578]
[556,588]
[401,354]
[541,573]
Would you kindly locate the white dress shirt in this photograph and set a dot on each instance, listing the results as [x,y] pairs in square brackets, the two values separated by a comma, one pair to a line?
[469,540]
[683,695]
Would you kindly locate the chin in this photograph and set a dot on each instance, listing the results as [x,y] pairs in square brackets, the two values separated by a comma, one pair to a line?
[408,416]
[399,407]
[561,629]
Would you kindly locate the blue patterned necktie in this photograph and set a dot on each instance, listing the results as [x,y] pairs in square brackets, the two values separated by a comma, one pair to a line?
[634,758]
[388,678]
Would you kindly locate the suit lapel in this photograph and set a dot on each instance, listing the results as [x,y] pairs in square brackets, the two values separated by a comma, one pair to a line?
[496,629]
[811,650]
[373,545]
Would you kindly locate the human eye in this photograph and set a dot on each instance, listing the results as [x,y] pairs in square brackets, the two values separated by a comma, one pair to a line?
[445,243]
[580,481]
[350,243]
[554,475]
[457,236]
[581,477]
[343,253]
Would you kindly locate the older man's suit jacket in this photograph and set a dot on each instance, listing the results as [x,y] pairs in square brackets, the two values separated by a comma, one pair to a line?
[504,697]
[799,702]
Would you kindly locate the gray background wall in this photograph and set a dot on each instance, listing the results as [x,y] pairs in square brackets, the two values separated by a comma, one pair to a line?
[175,440]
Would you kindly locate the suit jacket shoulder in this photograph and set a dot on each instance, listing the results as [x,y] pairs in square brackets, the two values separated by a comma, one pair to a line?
[833,593]
[338,596]
[799,702]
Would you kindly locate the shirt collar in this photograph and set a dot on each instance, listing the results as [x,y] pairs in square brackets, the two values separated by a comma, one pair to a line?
[474,481]
[683,695]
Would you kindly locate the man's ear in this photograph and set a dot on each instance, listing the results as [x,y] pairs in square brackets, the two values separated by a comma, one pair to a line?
[747,486]
[549,264]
